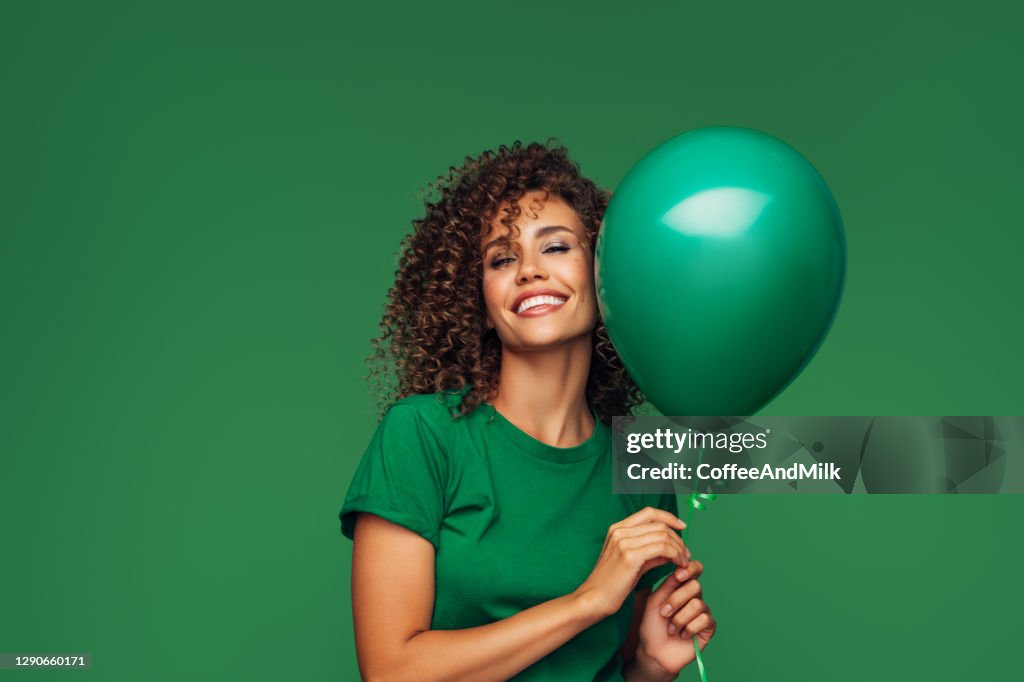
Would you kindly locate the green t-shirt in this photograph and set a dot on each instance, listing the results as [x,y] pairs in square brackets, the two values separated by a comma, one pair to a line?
[514,521]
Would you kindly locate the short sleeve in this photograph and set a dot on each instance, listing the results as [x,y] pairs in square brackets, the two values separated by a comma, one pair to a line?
[669,503]
[401,477]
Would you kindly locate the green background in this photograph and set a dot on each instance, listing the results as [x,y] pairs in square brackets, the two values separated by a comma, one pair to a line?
[200,209]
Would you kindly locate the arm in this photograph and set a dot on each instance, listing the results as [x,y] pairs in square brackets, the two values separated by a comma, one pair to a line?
[393,607]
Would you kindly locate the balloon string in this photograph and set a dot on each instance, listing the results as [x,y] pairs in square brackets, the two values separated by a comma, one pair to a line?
[698,501]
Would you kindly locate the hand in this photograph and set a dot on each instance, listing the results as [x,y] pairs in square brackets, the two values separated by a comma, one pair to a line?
[638,543]
[667,639]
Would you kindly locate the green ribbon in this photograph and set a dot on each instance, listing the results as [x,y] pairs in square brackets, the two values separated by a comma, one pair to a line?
[698,501]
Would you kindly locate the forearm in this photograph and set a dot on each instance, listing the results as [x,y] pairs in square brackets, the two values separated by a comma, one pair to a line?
[496,651]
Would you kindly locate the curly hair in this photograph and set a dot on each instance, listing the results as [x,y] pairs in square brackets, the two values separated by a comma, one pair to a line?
[434,332]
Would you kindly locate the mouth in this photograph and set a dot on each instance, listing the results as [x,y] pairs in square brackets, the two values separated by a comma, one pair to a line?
[535,306]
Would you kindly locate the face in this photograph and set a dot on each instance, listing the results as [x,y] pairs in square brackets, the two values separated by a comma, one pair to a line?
[539,290]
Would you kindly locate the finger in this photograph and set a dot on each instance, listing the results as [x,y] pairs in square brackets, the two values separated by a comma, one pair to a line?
[660,535]
[658,561]
[666,588]
[704,636]
[690,610]
[697,626]
[660,548]
[648,514]
[641,528]
[617,532]
[679,597]
[652,564]
[693,569]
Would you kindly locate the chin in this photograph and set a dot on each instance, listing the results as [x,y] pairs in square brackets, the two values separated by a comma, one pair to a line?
[538,342]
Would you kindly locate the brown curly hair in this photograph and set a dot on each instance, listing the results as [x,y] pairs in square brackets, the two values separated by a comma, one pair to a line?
[433,330]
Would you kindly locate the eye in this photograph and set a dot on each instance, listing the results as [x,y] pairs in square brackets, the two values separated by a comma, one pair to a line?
[504,259]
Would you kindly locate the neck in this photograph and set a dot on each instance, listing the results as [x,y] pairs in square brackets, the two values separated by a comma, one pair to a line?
[543,392]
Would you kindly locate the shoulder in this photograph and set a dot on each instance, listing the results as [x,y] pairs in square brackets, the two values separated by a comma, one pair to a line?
[430,407]
[429,414]
[441,407]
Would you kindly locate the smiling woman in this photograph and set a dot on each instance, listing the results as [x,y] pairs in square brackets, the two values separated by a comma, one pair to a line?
[437,334]
[487,543]
[538,291]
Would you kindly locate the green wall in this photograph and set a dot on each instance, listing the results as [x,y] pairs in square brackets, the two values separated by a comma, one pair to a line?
[200,207]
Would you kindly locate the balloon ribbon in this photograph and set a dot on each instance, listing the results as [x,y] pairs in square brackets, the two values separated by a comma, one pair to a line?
[698,501]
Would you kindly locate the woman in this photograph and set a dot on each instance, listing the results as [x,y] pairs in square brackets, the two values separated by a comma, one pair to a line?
[487,542]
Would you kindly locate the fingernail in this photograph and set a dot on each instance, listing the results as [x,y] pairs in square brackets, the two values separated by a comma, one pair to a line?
[688,555]
[681,521]
[681,575]
[671,629]
[666,609]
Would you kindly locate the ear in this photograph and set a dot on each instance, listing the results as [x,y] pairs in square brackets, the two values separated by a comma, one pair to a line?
[490,322]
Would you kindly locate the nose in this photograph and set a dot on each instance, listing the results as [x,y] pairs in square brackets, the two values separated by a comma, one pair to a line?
[530,268]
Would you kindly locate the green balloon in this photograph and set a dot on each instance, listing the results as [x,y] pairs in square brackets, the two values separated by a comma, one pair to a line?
[719,269]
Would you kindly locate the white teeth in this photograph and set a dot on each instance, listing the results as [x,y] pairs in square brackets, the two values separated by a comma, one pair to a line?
[534,301]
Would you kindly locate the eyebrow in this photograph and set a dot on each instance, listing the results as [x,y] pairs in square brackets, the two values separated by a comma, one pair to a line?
[539,232]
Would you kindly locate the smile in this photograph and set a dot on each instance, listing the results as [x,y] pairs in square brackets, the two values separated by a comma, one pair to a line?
[540,304]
